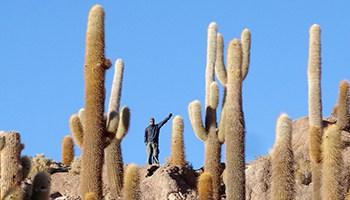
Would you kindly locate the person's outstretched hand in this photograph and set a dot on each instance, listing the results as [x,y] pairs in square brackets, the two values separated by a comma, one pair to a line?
[170,115]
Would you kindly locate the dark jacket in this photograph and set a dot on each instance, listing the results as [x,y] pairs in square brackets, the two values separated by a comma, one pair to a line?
[152,131]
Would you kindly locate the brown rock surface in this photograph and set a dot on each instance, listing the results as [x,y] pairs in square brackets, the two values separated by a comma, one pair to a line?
[165,182]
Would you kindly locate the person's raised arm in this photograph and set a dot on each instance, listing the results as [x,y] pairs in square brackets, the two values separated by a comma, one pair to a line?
[164,121]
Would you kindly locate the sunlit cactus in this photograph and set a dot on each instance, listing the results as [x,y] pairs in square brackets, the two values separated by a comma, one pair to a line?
[315,100]
[282,178]
[67,150]
[95,67]
[332,164]
[10,162]
[343,118]
[113,154]
[177,156]
[131,190]
[205,186]
[234,124]
[208,131]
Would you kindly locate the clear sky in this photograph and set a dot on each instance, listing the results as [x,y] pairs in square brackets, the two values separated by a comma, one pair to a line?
[163,46]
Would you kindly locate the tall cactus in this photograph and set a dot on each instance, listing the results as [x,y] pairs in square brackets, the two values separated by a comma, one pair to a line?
[11,175]
[95,67]
[208,133]
[115,128]
[343,118]
[177,156]
[332,166]
[234,124]
[315,101]
[282,179]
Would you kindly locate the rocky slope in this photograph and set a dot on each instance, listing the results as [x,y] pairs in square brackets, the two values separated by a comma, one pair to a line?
[165,182]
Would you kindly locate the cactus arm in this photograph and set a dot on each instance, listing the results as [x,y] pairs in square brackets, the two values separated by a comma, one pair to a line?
[214,95]
[220,70]
[314,77]
[114,100]
[124,123]
[211,56]
[195,114]
[245,38]
[221,130]
[343,118]
[77,130]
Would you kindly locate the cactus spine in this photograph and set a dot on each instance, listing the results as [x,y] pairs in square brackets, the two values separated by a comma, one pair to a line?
[67,150]
[205,186]
[282,179]
[234,124]
[315,101]
[343,118]
[208,133]
[332,166]
[177,156]
[41,186]
[131,189]
[95,67]
[11,176]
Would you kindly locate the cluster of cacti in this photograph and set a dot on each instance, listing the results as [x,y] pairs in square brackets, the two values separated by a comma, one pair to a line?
[100,135]
[96,134]
[232,127]
[208,132]
[15,169]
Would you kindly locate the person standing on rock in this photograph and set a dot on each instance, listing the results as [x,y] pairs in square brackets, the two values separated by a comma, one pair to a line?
[152,139]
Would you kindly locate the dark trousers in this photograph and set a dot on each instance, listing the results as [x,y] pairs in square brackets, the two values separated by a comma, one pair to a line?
[152,153]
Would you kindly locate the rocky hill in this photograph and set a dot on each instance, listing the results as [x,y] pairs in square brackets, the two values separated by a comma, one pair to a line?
[165,182]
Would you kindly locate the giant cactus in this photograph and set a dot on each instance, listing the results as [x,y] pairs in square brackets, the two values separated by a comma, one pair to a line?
[95,67]
[234,123]
[315,102]
[208,133]
[115,127]
[282,178]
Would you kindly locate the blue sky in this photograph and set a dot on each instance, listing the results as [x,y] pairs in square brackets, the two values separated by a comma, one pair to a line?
[163,46]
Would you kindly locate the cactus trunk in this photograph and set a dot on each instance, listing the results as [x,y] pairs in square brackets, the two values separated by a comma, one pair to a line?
[11,175]
[92,151]
[115,167]
[234,124]
[315,101]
